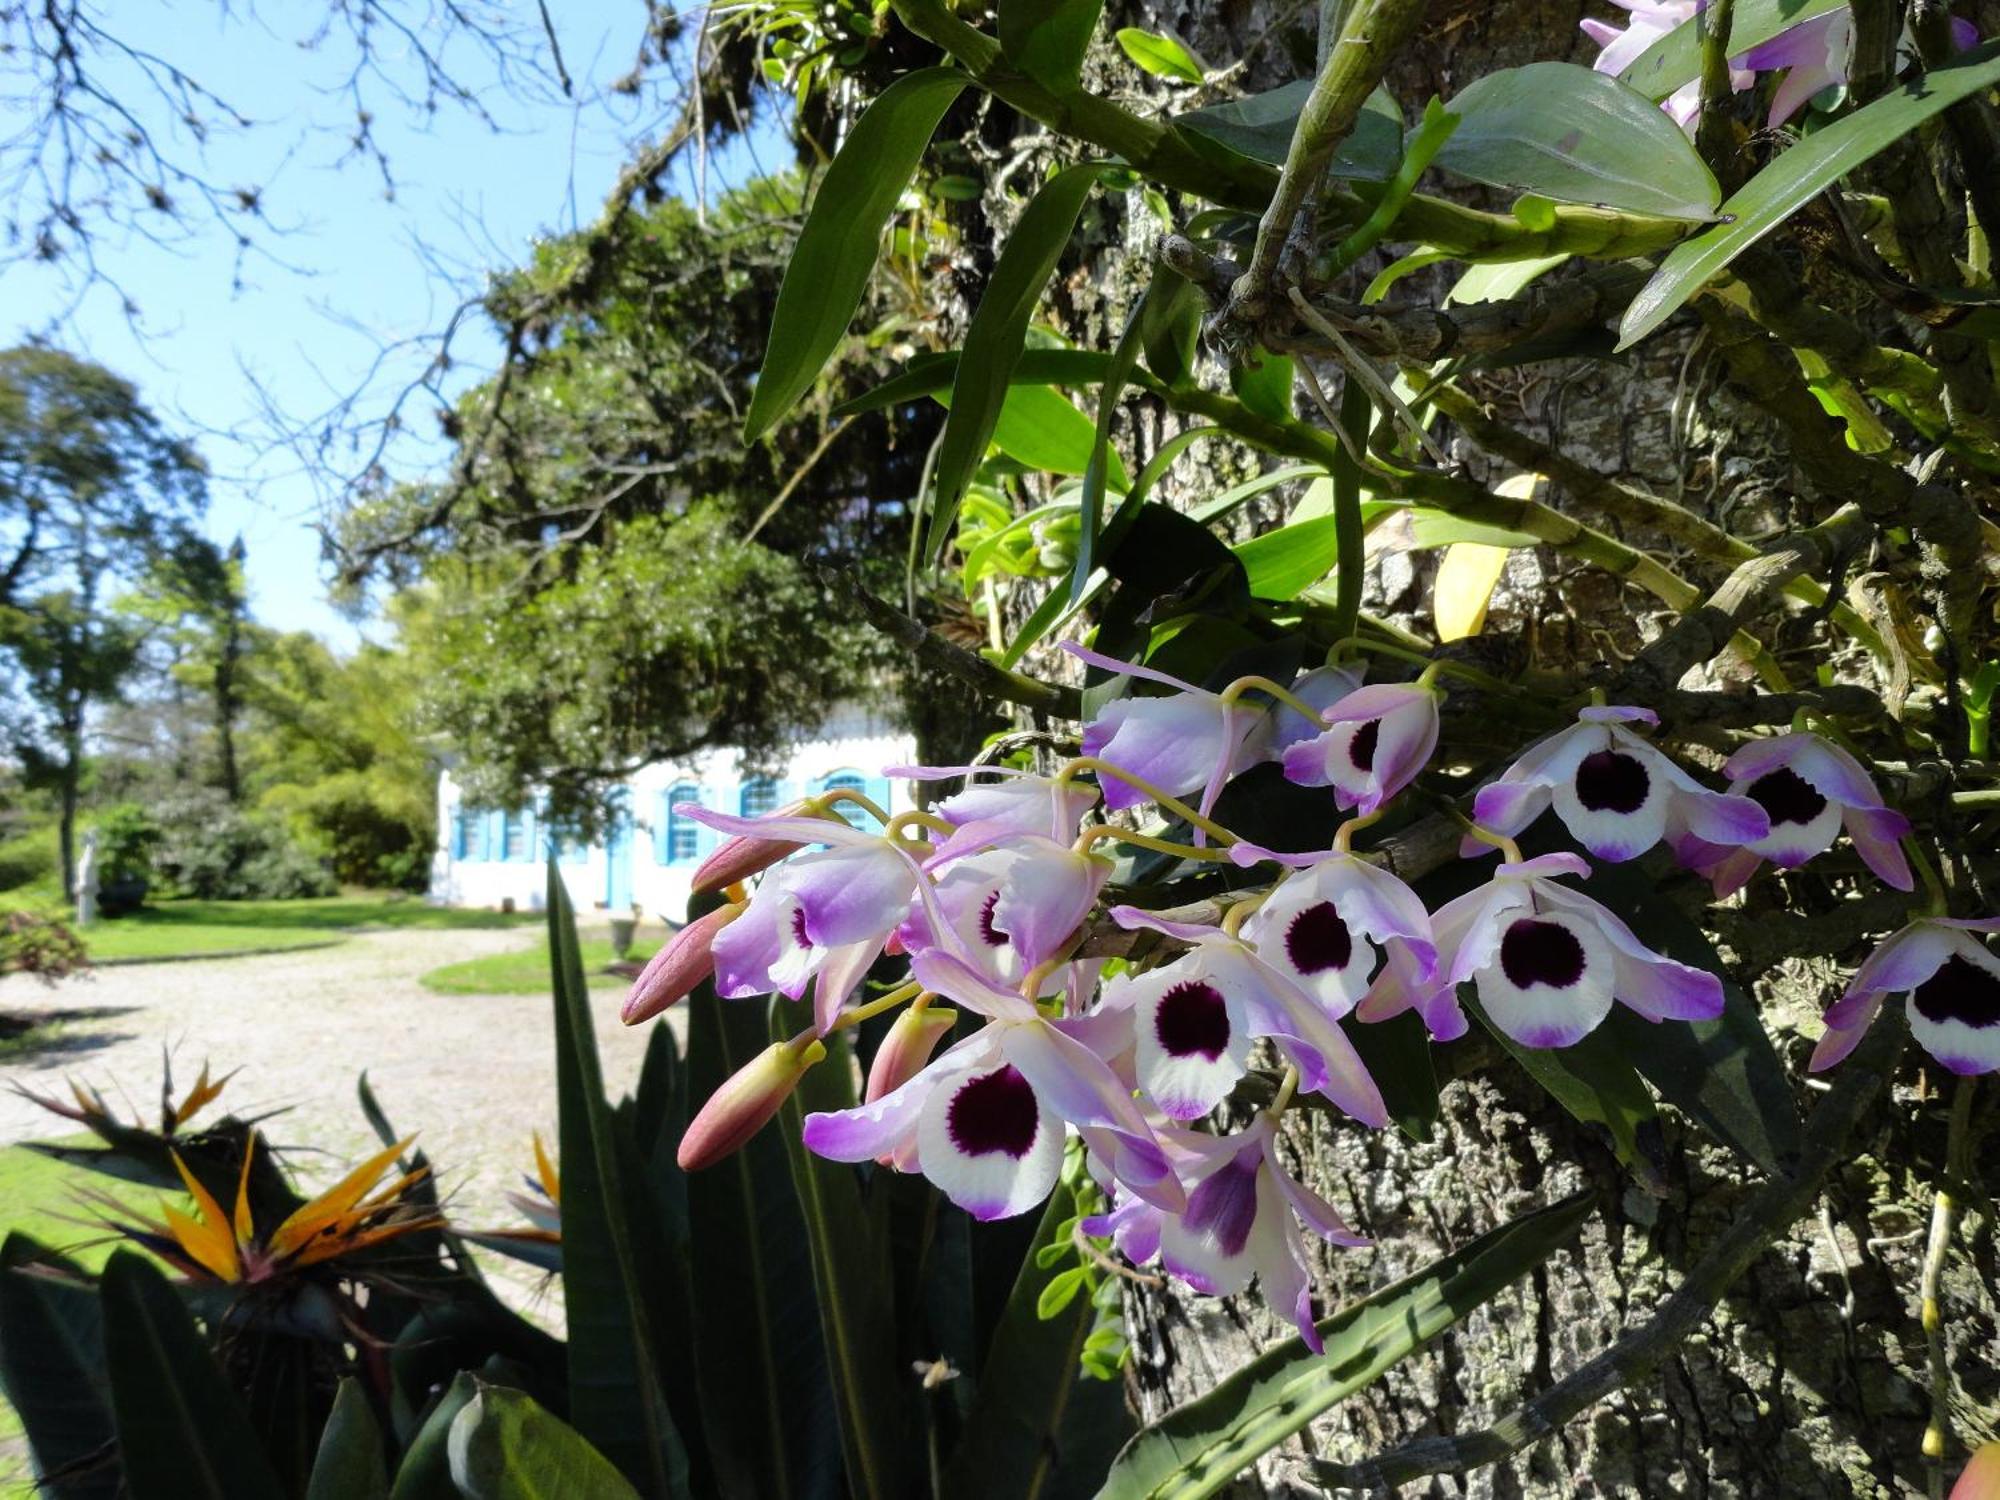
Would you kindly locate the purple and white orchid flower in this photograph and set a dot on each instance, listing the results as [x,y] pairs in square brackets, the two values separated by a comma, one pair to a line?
[1015,802]
[1336,924]
[1547,962]
[1811,789]
[985,1121]
[1011,906]
[1651,20]
[1283,726]
[1194,1019]
[1953,983]
[1184,742]
[1376,740]
[1617,795]
[1817,54]
[1241,1220]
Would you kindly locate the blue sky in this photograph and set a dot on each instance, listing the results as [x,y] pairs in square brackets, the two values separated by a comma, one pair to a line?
[353,271]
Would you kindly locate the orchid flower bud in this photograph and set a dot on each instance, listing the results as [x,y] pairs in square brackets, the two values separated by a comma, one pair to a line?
[671,974]
[745,1103]
[1981,1479]
[743,856]
[907,1049]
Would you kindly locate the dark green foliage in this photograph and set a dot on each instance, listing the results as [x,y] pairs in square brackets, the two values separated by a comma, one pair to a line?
[212,850]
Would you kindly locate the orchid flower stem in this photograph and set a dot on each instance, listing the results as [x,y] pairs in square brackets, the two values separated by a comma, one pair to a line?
[1432,665]
[855,1015]
[932,821]
[1597,699]
[1232,920]
[1285,696]
[1343,837]
[1944,1218]
[1499,841]
[1071,769]
[822,805]
[1098,832]
[1927,872]
[1287,1086]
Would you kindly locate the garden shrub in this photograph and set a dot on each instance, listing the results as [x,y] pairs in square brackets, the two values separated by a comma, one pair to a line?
[214,851]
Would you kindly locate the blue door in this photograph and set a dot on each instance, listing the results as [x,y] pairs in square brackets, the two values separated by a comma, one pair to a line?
[618,864]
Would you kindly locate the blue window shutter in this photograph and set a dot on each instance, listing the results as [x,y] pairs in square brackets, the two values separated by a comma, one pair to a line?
[722,799]
[879,793]
[458,835]
[662,812]
[528,825]
[496,836]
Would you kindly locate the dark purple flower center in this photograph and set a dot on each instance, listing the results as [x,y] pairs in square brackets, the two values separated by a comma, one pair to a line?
[1361,749]
[994,939]
[1613,781]
[1318,940]
[1959,991]
[1225,1204]
[799,927]
[1787,796]
[1191,1019]
[994,1112]
[1535,952]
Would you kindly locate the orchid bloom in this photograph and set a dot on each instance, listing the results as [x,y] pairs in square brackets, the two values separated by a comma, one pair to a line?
[1376,740]
[1283,726]
[1015,802]
[820,916]
[1651,20]
[1011,907]
[1616,794]
[1240,1221]
[1194,1019]
[1817,54]
[1188,741]
[1547,962]
[1953,983]
[1811,789]
[985,1121]
[1337,923]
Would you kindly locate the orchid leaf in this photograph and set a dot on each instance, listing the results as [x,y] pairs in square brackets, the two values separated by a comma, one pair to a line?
[934,373]
[1675,59]
[1046,39]
[1161,56]
[1260,127]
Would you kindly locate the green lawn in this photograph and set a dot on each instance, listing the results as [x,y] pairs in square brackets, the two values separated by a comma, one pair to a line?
[527,972]
[178,929]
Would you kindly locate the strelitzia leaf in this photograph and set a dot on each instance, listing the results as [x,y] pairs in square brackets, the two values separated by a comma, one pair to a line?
[1799,175]
[830,265]
[1198,1449]
[349,1465]
[52,1370]
[503,1446]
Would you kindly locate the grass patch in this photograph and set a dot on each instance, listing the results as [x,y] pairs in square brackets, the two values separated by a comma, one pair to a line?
[527,972]
[179,929]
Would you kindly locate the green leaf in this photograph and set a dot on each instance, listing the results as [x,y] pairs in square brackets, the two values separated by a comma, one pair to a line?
[425,1473]
[503,1446]
[1675,59]
[933,373]
[1263,382]
[1260,127]
[1039,429]
[1594,1080]
[1090,514]
[182,1432]
[1198,1449]
[1046,39]
[1796,177]
[979,387]
[1437,528]
[830,265]
[52,1369]
[614,1385]
[1283,564]
[848,1237]
[1238,495]
[1161,56]
[349,1465]
[1397,1053]
[1569,132]
[1038,1429]
[1170,325]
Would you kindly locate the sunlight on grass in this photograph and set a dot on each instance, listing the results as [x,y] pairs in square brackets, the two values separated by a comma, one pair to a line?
[182,929]
[527,972]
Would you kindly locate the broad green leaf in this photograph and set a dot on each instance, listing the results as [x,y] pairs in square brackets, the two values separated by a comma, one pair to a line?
[1046,39]
[425,1472]
[1263,382]
[1798,175]
[993,343]
[850,1260]
[1436,528]
[1496,281]
[1196,1450]
[1161,56]
[1040,429]
[1675,59]
[829,269]
[182,1432]
[933,373]
[1040,1427]
[1238,495]
[1568,132]
[1260,127]
[504,1446]
[1397,1053]
[614,1385]
[52,1370]
[1283,564]
[350,1461]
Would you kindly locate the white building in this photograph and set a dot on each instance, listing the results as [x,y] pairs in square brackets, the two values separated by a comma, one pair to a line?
[491,857]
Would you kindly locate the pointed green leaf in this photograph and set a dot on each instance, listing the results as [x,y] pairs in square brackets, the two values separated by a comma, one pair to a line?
[1675,59]
[1260,127]
[933,373]
[1198,1449]
[1090,515]
[1397,1053]
[182,1432]
[503,1446]
[830,265]
[1046,39]
[1170,325]
[425,1473]
[349,1465]
[1568,132]
[614,1386]
[1263,382]
[1161,56]
[993,342]
[52,1370]
[1798,175]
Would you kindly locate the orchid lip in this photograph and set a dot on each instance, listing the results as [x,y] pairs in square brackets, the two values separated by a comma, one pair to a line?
[994,1112]
[1537,952]
[1959,991]
[1612,781]
[1787,796]
[1193,1019]
[1318,940]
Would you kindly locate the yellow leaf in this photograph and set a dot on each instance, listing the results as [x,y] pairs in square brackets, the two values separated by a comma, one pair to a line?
[1465,580]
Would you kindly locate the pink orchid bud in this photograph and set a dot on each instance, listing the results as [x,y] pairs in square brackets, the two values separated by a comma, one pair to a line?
[671,974]
[745,1103]
[1981,1479]
[741,857]
[906,1049]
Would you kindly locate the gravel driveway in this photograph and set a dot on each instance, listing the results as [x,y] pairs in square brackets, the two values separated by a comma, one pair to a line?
[470,1075]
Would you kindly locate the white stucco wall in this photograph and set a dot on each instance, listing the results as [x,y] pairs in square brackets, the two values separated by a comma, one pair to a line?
[475,869]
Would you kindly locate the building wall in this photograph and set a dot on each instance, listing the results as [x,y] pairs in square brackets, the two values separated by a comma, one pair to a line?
[487,857]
